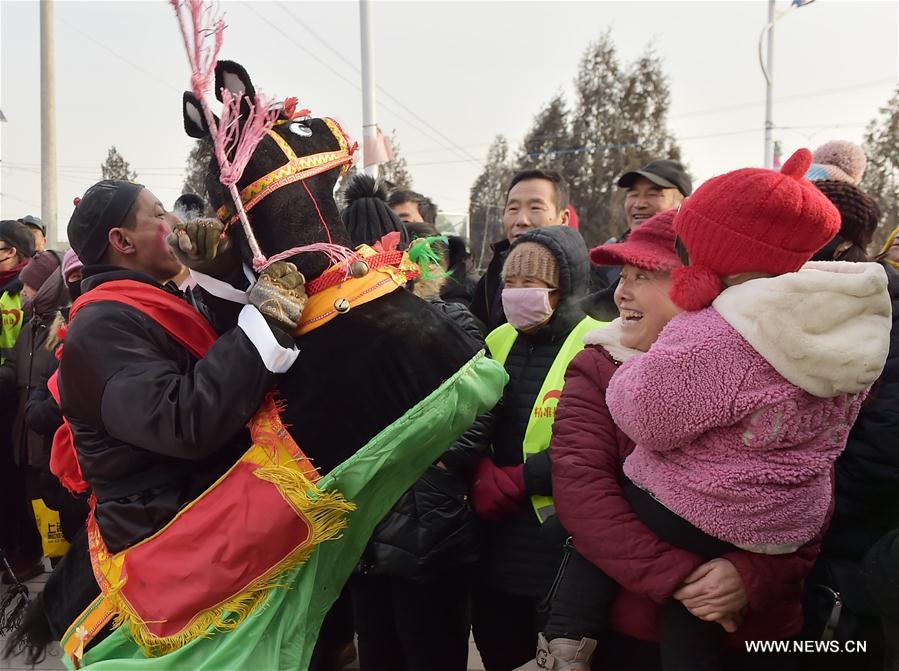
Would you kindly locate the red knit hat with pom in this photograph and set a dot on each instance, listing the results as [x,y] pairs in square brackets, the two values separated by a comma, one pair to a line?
[750,220]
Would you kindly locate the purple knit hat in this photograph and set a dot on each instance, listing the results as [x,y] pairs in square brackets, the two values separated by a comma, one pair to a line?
[39,268]
[70,263]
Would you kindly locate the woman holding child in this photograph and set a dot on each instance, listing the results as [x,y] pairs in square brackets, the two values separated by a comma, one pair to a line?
[692,452]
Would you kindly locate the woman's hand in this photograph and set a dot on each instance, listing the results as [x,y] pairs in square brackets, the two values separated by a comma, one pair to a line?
[715,592]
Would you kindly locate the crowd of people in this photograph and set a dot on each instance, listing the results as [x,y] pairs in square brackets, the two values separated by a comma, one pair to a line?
[695,449]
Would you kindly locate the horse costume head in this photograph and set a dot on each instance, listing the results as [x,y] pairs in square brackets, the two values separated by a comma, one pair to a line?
[287,186]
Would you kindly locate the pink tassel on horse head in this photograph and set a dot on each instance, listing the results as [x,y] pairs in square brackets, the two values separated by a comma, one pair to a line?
[229,135]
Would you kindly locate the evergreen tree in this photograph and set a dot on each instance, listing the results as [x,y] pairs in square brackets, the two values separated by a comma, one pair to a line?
[396,172]
[197,164]
[116,167]
[550,132]
[619,124]
[488,199]
[881,179]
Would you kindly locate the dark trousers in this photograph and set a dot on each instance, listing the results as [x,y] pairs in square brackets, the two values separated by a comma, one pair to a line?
[406,625]
[505,628]
[336,633]
[19,536]
[584,595]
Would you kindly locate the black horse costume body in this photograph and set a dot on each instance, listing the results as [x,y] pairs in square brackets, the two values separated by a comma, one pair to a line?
[355,375]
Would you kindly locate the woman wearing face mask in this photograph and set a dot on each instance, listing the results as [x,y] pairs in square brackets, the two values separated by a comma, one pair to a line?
[545,276]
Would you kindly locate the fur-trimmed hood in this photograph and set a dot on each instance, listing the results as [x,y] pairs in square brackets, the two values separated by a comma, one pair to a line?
[609,338]
[825,328]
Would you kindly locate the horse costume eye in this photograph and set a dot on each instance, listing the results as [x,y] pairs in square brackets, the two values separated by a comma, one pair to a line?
[301,129]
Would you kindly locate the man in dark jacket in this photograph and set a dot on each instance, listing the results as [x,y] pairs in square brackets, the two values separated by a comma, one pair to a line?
[536,198]
[153,425]
[545,276]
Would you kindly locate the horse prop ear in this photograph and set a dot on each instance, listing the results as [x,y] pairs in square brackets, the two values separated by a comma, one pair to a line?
[194,122]
[230,75]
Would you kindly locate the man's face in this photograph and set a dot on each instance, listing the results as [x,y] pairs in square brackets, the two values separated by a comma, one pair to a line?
[40,242]
[151,253]
[408,212]
[531,204]
[644,199]
[9,258]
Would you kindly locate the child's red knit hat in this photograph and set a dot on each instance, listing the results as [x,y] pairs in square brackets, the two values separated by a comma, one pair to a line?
[750,220]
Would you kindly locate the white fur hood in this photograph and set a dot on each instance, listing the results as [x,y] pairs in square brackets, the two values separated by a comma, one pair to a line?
[609,337]
[826,328]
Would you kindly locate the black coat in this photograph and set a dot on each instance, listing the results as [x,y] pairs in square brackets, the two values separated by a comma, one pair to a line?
[460,285]
[858,553]
[866,479]
[521,555]
[19,376]
[153,425]
[432,527]
[486,304]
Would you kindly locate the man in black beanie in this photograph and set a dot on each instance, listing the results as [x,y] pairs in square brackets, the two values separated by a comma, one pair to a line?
[153,424]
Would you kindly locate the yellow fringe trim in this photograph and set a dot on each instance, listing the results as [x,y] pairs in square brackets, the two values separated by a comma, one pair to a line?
[326,513]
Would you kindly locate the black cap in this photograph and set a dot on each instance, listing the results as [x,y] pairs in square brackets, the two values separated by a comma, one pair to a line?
[662,172]
[16,234]
[35,222]
[103,207]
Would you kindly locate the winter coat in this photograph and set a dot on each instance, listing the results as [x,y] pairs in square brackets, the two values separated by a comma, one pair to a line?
[19,376]
[10,328]
[42,413]
[432,527]
[460,285]
[866,484]
[521,556]
[740,410]
[153,426]
[487,304]
[588,451]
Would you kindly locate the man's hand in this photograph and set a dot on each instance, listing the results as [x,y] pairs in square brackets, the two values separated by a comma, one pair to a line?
[280,294]
[715,592]
[200,245]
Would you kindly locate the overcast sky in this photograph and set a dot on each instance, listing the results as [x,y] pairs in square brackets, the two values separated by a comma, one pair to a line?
[469,70]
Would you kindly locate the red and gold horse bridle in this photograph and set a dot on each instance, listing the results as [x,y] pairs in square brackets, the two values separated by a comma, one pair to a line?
[296,169]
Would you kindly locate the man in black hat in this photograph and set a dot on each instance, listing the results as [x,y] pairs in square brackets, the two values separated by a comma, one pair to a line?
[38,230]
[658,186]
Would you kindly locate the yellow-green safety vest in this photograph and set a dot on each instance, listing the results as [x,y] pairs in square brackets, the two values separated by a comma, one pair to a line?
[13,318]
[538,433]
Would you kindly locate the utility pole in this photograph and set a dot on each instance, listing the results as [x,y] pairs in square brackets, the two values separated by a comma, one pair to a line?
[369,120]
[48,125]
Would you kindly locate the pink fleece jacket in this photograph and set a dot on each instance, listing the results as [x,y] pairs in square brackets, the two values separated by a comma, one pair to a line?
[724,440]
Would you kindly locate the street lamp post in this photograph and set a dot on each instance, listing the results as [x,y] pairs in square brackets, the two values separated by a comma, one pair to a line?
[768,72]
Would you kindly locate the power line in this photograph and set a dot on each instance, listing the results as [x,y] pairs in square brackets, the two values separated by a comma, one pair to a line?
[797,96]
[380,88]
[121,58]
